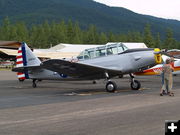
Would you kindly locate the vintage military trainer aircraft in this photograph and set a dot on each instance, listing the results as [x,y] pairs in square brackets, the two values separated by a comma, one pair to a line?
[104,62]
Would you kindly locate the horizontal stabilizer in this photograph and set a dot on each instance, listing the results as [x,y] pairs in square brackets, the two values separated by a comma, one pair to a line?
[26,68]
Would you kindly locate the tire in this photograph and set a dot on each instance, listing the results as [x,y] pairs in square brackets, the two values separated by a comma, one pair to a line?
[111,86]
[34,85]
[21,80]
[120,76]
[94,82]
[136,85]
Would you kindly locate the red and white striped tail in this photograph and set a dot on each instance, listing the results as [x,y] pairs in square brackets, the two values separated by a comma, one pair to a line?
[19,63]
[19,58]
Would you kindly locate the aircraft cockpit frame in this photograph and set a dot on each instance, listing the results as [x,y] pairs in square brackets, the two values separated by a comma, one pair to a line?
[111,49]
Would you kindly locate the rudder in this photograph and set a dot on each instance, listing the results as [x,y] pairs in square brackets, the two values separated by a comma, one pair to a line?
[25,58]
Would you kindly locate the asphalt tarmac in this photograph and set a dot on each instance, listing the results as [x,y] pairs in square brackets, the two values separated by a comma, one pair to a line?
[83,108]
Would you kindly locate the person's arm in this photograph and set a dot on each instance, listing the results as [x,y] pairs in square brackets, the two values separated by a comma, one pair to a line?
[163,67]
[172,68]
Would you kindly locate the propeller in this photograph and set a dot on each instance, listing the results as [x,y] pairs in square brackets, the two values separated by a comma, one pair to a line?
[169,53]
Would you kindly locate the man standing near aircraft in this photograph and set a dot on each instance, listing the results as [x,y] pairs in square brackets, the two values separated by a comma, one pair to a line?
[162,82]
[168,78]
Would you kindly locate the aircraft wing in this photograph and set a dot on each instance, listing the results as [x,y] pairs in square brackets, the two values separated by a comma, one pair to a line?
[76,69]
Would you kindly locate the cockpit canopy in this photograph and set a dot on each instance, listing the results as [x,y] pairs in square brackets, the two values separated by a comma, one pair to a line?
[101,51]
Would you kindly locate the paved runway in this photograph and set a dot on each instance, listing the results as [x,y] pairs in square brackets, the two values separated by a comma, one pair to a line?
[83,108]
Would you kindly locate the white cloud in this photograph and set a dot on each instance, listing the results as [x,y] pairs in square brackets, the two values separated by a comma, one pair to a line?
[161,8]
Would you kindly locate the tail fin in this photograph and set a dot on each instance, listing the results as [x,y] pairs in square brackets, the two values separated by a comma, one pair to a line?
[25,58]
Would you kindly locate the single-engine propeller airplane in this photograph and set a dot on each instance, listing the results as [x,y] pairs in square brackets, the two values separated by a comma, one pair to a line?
[104,62]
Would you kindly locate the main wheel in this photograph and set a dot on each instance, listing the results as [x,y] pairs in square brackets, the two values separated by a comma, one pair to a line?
[111,86]
[136,85]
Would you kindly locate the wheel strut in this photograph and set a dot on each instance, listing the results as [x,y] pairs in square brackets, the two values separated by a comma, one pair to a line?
[34,85]
[110,85]
[135,84]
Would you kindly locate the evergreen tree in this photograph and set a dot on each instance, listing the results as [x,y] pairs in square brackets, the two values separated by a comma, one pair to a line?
[134,37]
[70,32]
[122,38]
[177,45]
[137,37]
[92,35]
[158,41]
[77,39]
[129,37]
[13,33]
[42,37]
[102,38]
[111,37]
[47,33]
[169,40]
[54,36]
[33,34]
[5,30]
[148,38]
[22,32]
[62,32]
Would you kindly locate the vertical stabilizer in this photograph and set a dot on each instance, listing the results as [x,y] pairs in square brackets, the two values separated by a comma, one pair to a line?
[29,58]
[25,58]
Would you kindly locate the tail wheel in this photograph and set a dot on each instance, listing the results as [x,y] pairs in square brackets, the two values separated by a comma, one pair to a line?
[121,76]
[34,85]
[135,85]
[21,80]
[111,86]
[94,82]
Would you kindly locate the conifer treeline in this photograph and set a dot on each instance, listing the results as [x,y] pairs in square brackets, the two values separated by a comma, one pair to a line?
[50,34]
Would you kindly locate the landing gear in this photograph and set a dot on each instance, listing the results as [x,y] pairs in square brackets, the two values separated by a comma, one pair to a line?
[21,80]
[94,82]
[121,76]
[110,85]
[34,83]
[135,84]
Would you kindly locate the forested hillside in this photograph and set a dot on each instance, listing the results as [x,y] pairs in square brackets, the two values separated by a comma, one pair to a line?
[49,34]
[31,15]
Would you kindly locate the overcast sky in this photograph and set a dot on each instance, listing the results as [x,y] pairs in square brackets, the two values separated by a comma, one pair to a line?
[169,9]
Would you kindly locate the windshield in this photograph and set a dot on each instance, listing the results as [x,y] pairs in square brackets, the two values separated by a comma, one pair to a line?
[101,51]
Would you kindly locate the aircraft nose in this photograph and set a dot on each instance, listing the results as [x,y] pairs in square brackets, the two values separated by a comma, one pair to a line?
[157,56]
